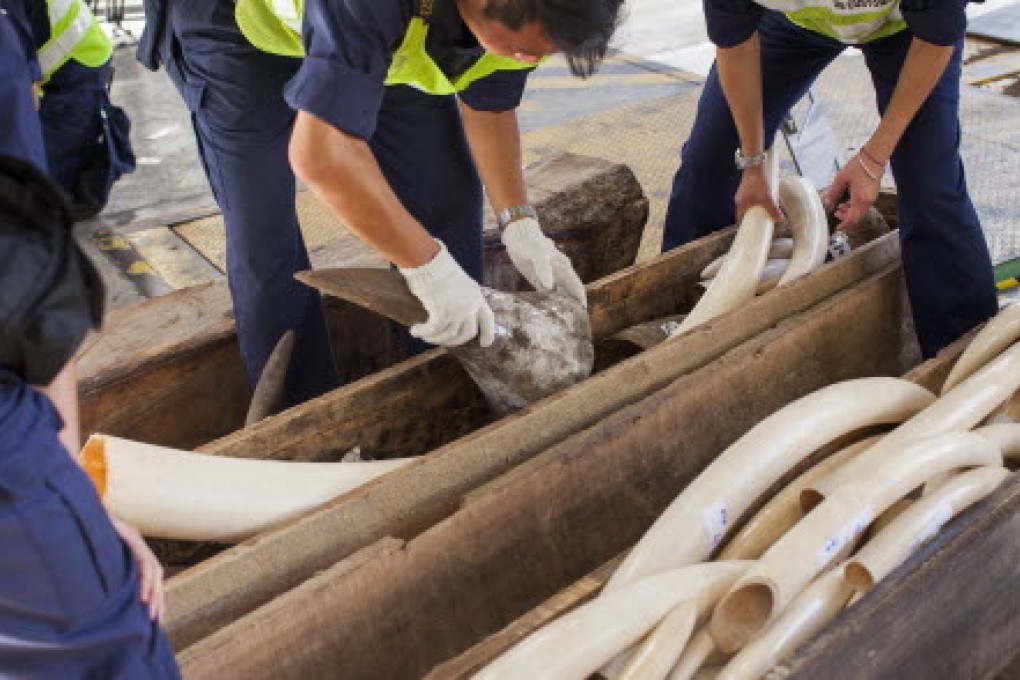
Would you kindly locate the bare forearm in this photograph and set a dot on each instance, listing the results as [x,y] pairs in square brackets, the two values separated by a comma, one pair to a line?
[921,71]
[63,392]
[740,76]
[495,143]
[342,172]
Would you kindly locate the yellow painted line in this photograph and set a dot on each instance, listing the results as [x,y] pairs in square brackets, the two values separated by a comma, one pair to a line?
[172,258]
[111,242]
[1007,284]
[139,268]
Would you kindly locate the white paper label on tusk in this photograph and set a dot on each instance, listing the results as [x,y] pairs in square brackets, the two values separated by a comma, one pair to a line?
[942,514]
[717,520]
[844,536]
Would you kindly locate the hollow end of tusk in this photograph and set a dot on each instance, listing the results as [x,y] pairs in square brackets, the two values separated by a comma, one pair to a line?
[810,499]
[93,460]
[859,577]
[742,614]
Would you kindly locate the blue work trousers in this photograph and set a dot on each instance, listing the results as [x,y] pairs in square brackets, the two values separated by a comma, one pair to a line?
[945,257]
[71,115]
[20,134]
[243,126]
[69,607]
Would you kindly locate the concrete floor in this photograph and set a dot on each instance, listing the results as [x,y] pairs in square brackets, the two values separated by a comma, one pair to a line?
[645,96]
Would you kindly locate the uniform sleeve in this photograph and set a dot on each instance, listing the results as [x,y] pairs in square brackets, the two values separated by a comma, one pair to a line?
[18,12]
[349,45]
[941,22]
[731,22]
[496,92]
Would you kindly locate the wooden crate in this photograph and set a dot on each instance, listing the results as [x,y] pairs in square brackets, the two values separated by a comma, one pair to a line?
[572,506]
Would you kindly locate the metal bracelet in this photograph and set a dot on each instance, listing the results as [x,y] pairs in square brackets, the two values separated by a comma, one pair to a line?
[873,176]
[513,213]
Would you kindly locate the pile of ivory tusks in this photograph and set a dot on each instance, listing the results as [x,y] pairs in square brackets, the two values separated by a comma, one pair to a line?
[831,534]
[168,493]
[755,262]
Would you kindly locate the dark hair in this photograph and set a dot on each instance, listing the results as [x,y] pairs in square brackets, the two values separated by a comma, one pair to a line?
[581,28]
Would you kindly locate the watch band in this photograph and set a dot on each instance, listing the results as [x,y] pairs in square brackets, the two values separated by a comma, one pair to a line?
[742,161]
[514,213]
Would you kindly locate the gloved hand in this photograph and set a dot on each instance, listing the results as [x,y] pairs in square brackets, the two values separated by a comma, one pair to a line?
[457,310]
[542,264]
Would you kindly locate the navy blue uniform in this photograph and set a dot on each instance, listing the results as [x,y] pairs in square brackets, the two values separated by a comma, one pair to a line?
[946,261]
[243,101]
[69,587]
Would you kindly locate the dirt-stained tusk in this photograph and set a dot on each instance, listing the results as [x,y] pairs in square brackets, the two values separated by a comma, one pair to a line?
[168,493]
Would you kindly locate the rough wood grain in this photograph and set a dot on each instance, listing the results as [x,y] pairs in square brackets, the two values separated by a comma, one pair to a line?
[597,491]
[167,370]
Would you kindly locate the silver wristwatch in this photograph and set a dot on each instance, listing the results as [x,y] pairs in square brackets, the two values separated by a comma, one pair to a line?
[514,213]
[742,161]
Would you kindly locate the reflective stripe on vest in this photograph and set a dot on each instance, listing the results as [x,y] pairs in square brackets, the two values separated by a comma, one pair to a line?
[287,11]
[272,26]
[849,21]
[74,33]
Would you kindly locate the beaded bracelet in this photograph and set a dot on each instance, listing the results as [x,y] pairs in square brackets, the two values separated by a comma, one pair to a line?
[869,173]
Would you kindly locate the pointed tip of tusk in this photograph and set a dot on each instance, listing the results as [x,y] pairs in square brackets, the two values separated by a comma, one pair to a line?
[93,460]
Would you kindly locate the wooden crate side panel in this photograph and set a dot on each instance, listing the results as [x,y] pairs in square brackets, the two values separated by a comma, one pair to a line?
[468,576]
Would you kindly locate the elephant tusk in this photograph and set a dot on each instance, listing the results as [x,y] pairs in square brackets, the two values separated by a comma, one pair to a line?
[657,654]
[738,279]
[700,651]
[917,524]
[784,511]
[781,249]
[167,493]
[578,643]
[960,409]
[807,615]
[1006,436]
[809,226]
[1000,332]
[699,518]
[795,559]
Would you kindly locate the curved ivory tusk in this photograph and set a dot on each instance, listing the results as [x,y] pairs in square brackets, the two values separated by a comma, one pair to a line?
[738,278]
[770,276]
[697,521]
[578,643]
[810,228]
[960,409]
[657,654]
[167,493]
[806,616]
[1000,332]
[784,511]
[1006,436]
[918,524]
[700,651]
[795,559]
[781,249]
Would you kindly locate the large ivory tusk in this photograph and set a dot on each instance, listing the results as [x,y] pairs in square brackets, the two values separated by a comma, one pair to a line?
[578,643]
[738,278]
[807,615]
[657,654]
[781,249]
[919,523]
[1006,436]
[701,515]
[700,651]
[999,333]
[784,511]
[810,228]
[960,409]
[167,493]
[795,559]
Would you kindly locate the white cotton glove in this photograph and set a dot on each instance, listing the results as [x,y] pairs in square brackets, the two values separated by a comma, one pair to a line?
[457,310]
[542,264]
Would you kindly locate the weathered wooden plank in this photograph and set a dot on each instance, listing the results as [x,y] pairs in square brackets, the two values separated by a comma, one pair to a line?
[256,638]
[500,555]
[432,488]
[167,370]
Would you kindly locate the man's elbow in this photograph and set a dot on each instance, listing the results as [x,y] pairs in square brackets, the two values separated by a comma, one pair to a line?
[313,151]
